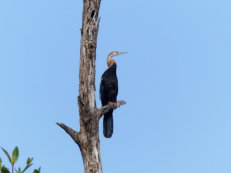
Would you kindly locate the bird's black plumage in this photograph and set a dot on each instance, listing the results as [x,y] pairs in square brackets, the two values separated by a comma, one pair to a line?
[108,93]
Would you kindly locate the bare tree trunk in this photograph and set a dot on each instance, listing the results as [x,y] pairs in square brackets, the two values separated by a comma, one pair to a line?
[88,137]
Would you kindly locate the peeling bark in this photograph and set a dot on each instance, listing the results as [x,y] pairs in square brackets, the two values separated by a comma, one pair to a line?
[88,137]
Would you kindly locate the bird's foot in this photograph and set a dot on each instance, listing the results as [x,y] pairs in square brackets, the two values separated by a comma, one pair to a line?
[113,104]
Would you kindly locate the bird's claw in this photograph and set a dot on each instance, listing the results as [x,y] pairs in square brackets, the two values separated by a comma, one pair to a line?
[113,104]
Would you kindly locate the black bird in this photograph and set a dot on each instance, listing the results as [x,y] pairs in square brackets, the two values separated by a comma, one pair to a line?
[108,92]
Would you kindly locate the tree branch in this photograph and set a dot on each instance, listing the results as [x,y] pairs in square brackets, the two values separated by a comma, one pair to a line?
[74,135]
[105,109]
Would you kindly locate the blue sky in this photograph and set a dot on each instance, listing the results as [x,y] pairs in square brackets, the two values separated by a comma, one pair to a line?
[175,80]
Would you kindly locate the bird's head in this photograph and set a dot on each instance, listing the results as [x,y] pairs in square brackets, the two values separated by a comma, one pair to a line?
[110,61]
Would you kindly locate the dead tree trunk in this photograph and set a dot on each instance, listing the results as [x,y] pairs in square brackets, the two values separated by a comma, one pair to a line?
[88,136]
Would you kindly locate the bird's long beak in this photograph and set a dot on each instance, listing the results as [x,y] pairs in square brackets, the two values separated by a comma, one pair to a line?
[119,53]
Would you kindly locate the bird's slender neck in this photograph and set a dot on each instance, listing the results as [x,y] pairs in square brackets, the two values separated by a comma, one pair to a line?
[110,61]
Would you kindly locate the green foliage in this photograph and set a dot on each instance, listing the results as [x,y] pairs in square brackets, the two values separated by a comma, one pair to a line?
[15,155]
[0,164]
[29,160]
[19,170]
[7,154]
[13,160]
[27,166]
[5,170]
[37,170]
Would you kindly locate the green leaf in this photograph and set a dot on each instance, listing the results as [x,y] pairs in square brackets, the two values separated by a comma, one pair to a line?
[5,170]
[15,155]
[29,160]
[18,171]
[7,154]
[0,164]
[27,166]
[37,170]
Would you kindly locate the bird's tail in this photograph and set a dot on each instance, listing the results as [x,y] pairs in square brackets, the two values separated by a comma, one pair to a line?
[108,124]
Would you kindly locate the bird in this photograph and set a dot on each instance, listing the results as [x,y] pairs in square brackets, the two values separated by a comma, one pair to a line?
[108,92]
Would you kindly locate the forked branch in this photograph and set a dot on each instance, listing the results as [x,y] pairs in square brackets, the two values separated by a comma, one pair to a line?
[74,135]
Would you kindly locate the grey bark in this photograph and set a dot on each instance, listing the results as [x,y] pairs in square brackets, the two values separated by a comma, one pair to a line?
[88,137]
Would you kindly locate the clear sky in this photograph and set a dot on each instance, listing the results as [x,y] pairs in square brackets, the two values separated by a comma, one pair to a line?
[175,79]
